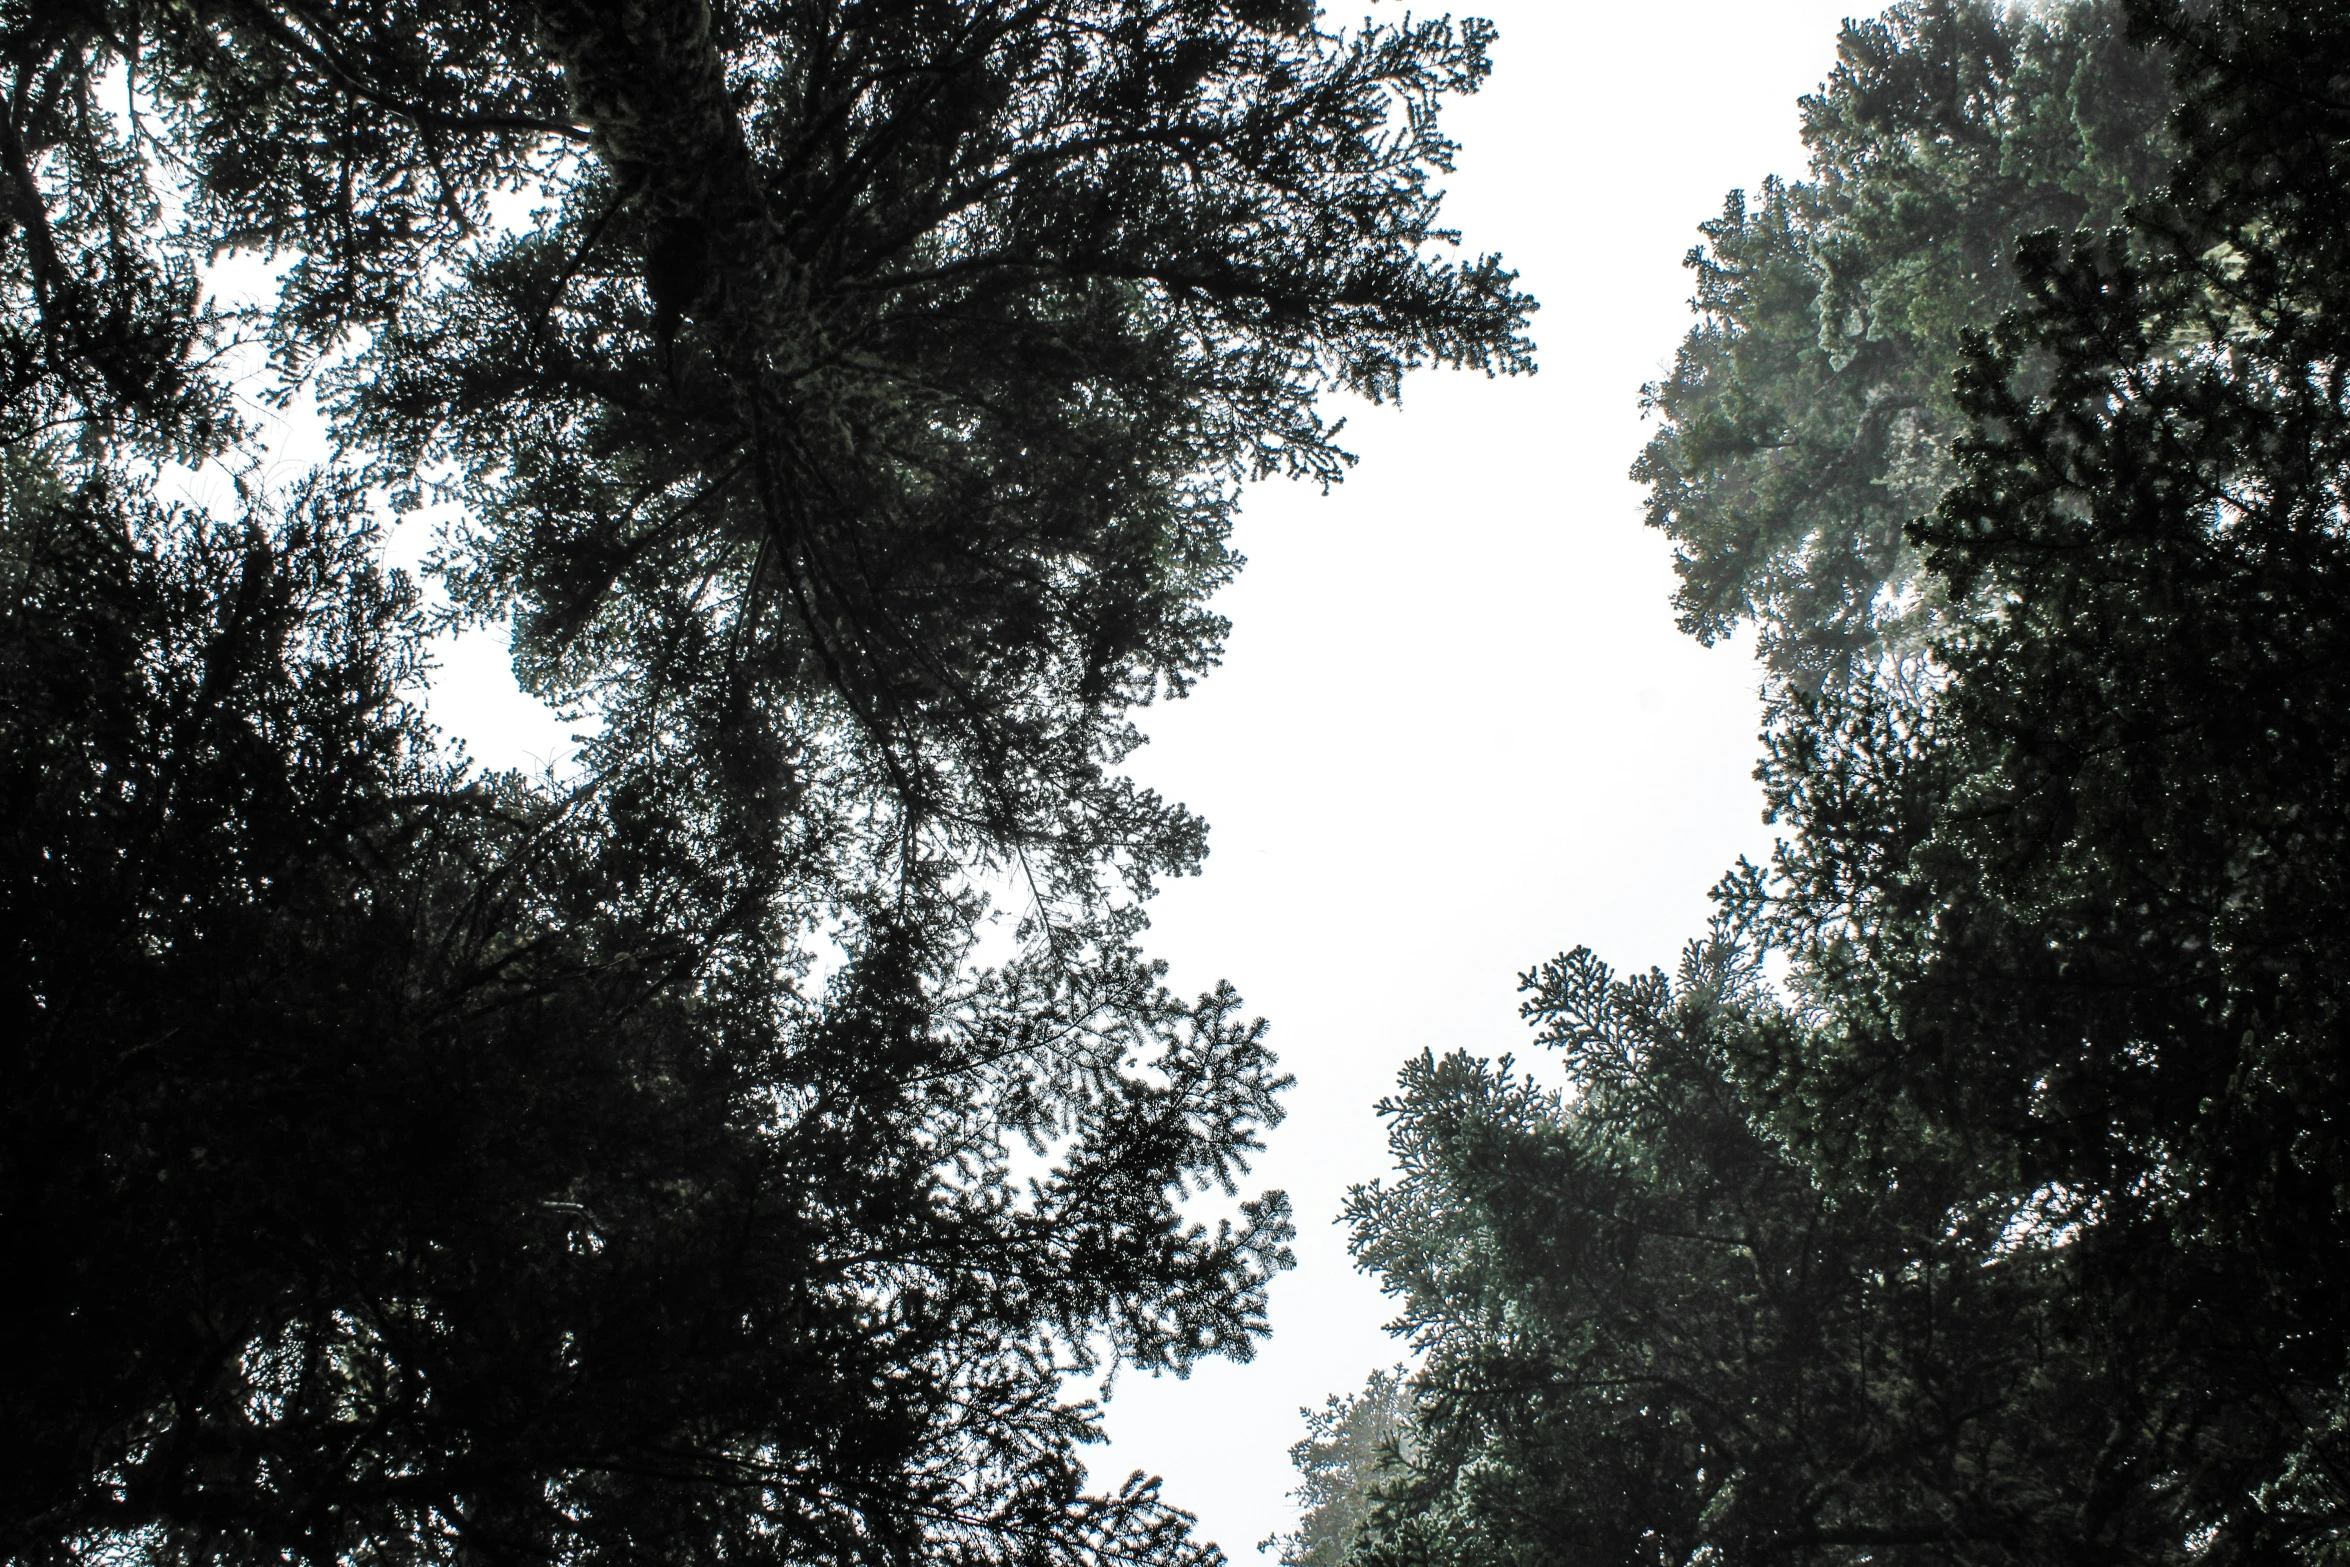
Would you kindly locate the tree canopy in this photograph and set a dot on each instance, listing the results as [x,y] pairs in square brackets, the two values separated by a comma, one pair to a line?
[1654,1333]
[847,404]
[405,1162]
[2010,1228]
[1351,1445]
[1810,413]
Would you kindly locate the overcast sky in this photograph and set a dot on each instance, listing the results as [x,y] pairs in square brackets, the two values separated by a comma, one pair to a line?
[1456,731]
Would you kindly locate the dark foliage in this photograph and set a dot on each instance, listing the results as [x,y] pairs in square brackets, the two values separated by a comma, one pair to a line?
[2095,909]
[1655,1334]
[403,1164]
[2017,1233]
[1351,1445]
[873,383]
[847,402]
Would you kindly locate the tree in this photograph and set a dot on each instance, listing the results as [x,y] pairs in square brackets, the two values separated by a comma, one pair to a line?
[1810,414]
[2061,1049]
[410,1164]
[876,383]
[419,1165]
[2082,889]
[1653,1332]
[1351,1446]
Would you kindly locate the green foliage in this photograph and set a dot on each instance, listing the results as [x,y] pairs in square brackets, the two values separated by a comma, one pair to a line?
[1809,416]
[1653,1333]
[406,1164]
[1351,1445]
[2016,1231]
[2100,945]
[868,398]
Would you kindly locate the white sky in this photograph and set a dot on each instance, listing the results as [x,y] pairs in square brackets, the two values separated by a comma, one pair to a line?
[1456,731]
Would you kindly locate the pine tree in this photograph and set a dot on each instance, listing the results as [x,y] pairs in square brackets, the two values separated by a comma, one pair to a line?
[2014,1231]
[2079,895]
[1352,1445]
[1652,1332]
[403,1163]
[1809,416]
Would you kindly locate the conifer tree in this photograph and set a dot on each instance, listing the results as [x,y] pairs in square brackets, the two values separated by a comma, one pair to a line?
[1809,416]
[847,404]
[1351,1445]
[2012,1231]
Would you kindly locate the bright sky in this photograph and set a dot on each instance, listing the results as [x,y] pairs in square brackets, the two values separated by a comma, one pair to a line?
[1456,731]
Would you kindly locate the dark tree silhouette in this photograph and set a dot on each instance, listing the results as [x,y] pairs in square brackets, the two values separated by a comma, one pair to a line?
[2014,1231]
[847,401]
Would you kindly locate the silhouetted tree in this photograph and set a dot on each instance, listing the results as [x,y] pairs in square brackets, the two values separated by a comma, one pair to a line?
[2014,1231]
[1654,1333]
[407,1164]
[401,1162]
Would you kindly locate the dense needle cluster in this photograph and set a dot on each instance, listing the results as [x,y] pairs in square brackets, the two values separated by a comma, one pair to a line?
[846,401]
[2012,1228]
